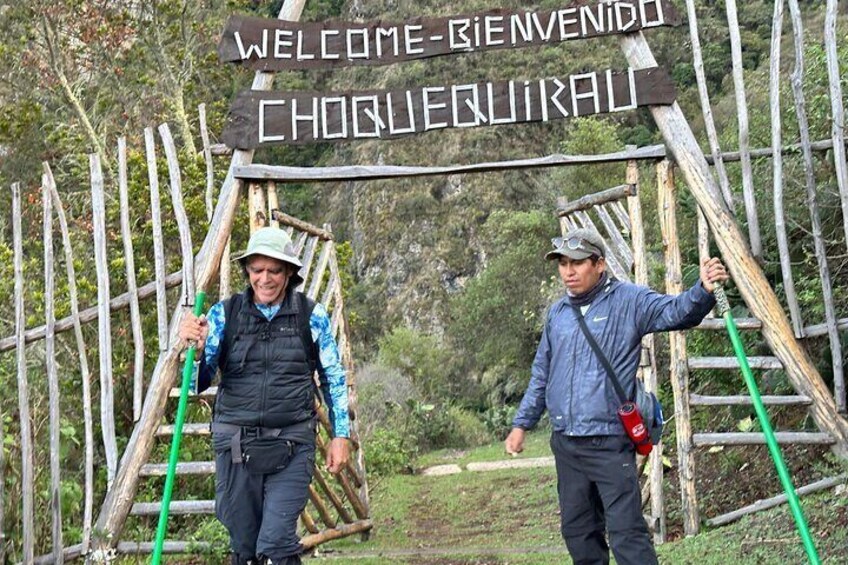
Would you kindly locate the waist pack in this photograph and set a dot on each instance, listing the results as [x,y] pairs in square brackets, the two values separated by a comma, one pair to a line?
[260,450]
[262,455]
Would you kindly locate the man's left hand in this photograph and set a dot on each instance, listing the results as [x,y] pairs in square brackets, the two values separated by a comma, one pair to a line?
[337,455]
[712,272]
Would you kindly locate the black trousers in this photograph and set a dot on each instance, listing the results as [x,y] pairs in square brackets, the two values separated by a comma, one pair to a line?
[599,490]
[260,511]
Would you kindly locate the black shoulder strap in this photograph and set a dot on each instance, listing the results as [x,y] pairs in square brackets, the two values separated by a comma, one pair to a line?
[232,306]
[600,355]
[306,306]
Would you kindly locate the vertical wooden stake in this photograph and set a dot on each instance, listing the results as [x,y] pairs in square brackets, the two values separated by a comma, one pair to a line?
[256,206]
[27,458]
[52,374]
[132,288]
[104,321]
[679,368]
[158,243]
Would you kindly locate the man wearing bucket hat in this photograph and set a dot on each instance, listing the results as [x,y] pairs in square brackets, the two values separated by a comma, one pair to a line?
[597,484]
[268,341]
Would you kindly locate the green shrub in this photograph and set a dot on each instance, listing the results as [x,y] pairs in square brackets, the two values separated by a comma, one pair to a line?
[388,452]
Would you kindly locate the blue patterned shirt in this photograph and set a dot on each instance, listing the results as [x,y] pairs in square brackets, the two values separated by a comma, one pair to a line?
[331,373]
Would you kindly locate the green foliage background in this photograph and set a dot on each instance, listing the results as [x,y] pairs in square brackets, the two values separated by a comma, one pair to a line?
[445,284]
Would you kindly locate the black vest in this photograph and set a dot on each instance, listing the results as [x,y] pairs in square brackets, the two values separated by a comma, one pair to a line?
[267,365]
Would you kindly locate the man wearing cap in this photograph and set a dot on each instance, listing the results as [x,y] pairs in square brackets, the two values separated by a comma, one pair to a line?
[267,342]
[597,484]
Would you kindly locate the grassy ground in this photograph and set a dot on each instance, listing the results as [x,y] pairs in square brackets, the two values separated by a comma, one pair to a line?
[511,517]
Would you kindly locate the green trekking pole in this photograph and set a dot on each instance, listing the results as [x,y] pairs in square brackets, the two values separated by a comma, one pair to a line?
[188,369]
[794,504]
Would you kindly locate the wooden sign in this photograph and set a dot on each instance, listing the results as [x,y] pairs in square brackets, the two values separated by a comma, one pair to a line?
[267,44]
[261,118]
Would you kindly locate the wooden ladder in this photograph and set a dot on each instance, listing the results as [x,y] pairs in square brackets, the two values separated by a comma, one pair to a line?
[682,365]
[340,502]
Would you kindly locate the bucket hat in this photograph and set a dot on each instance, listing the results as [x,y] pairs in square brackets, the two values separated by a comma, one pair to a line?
[274,243]
[577,244]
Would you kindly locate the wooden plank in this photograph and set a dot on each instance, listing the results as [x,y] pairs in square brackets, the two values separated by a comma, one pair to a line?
[777,174]
[717,324]
[189,429]
[302,226]
[353,497]
[104,326]
[51,370]
[742,120]
[89,314]
[320,269]
[334,498]
[767,503]
[749,278]
[259,119]
[756,362]
[621,214]
[744,400]
[837,110]
[180,214]
[177,508]
[598,198]
[321,507]
[24,416]
[376,172]
[308,256]
[797,77]
[706,106]
[82,356]
[273,45]
[678,362]
[308,522]
[118,501]
[784,438]
[132,287]
[792,148]
[183,468]
[158,241]
[338,532]
[615,235]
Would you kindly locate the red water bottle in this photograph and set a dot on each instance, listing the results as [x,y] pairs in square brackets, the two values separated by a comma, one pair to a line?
[635,427]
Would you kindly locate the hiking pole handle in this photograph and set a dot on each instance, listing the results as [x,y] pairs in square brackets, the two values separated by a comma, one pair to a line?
[188,371]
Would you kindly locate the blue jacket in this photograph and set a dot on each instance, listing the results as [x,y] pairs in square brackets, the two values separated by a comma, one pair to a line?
[567,377]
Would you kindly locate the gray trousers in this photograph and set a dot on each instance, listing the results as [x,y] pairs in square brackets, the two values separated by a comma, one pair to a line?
[261,511]
[598,489]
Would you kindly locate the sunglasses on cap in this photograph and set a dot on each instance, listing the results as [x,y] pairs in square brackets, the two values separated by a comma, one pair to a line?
[575,243]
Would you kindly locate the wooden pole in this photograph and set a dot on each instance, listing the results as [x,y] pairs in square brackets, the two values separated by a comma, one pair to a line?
[742,118]
[777,174]
[818,240]
[258,211]
[706,106]
[27,457]
[647,364]
[747,275]
[207,158]
[116,507]
[678,363]
[158,243]
[837,110]
[132,289]
[52,374]
[273,202]
[104,325]
[180,214]
[82,355]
